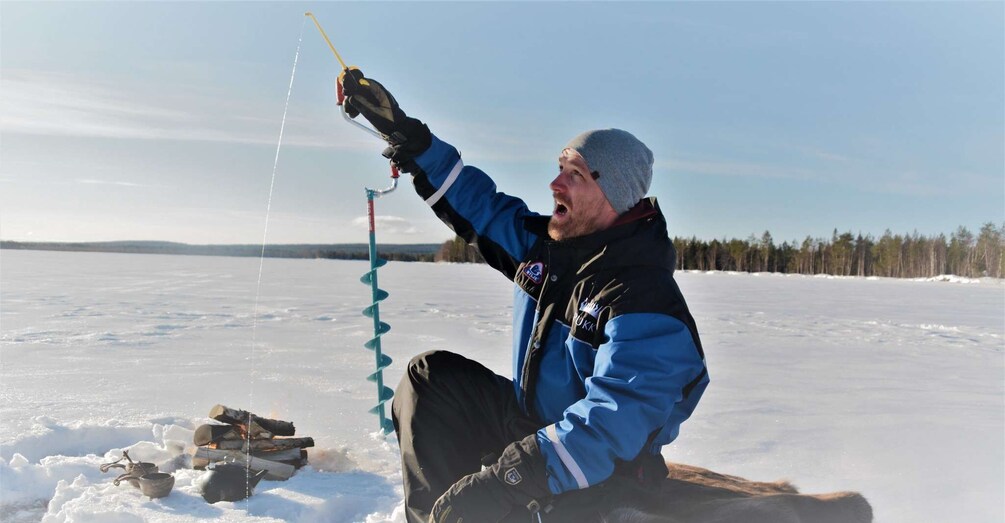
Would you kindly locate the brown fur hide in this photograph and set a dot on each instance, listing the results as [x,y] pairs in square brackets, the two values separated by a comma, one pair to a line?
[697,495]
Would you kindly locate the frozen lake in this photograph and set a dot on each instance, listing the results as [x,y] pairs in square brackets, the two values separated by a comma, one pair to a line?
[888,387]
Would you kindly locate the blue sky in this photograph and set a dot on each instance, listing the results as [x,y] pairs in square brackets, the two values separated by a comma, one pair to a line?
[159,121]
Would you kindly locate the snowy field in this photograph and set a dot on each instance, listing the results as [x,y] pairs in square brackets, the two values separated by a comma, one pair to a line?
[892,388]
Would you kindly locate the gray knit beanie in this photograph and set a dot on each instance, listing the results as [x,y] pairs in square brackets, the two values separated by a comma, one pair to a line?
[625,165]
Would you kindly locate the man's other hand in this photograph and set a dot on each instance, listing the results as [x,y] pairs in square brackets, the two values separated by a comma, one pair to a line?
[518,480]
[476,497]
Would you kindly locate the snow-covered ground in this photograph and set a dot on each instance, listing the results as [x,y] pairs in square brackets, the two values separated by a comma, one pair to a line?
[892,388]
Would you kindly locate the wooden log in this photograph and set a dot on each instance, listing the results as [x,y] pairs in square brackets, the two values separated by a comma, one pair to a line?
[266,444]
[289,457]
[241,418]
[274,470]
[302,461]
[295,457]
[202,463]
[207,434]
[278,455]
[297,462]
[257,432]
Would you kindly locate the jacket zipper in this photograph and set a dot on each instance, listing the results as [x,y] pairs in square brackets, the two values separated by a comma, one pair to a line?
[542,328]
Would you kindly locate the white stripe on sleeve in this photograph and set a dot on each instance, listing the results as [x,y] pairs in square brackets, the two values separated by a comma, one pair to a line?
[566,458]
[451,178]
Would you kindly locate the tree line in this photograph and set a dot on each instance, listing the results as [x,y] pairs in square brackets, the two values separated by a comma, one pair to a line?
[346,251]
[962,253]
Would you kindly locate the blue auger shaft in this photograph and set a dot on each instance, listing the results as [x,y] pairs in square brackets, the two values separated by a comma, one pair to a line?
[381,361]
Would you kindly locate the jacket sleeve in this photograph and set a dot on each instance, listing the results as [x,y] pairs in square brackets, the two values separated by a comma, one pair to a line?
[466,199]
[648,377]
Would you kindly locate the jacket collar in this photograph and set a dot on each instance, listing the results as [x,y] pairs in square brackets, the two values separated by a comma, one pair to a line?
[645,222]
[646,208]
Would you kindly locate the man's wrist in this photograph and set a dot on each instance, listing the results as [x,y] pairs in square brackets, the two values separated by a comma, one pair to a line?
[409,143]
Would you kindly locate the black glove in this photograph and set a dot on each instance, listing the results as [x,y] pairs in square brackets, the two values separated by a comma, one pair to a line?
[406,136]
[518,480]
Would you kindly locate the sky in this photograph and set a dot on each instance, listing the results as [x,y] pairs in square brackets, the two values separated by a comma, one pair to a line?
[161,120]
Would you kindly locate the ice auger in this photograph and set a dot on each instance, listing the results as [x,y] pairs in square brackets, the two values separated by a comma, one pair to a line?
[377,295]
[373,311]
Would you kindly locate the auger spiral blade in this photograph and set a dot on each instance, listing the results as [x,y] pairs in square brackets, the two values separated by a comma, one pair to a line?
[377,295]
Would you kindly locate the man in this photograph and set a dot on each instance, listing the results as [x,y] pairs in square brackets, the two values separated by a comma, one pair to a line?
[606,358]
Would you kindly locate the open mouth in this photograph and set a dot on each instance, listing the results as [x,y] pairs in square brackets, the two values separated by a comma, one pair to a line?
[561,209]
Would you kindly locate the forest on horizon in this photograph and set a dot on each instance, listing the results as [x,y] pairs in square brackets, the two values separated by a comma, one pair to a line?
[962,253]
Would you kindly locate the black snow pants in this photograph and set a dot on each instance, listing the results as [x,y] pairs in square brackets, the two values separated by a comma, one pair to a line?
[451,414]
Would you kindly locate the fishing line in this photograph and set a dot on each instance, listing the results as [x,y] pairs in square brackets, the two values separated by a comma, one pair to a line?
[261,266]
[382,362]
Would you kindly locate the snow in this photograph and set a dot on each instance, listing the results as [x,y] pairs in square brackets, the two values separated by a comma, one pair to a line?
[893,388]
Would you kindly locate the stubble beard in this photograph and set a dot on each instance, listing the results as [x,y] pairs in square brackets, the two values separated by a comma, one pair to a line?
[573,227]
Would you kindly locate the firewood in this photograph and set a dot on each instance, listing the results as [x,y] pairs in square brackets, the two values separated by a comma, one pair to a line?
[297,461]
[276,455]
[274,470]
[207,434]
[241,418]
[266,444]
[257,432]
[202,463]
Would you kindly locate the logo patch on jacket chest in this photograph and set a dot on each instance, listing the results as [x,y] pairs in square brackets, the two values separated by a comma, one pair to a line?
[534,271]
[586,318]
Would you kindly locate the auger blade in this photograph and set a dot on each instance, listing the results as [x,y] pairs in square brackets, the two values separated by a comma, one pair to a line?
[385,395]
[373,311]
[385,362]
[367,277]
[381,296]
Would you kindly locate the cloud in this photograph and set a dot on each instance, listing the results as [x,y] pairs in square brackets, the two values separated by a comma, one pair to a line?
[105,182]
[57,104]
[387,224]
[742,169]
[837,169]
[46,103]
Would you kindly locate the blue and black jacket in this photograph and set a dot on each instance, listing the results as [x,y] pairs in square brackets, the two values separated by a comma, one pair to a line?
[605,351]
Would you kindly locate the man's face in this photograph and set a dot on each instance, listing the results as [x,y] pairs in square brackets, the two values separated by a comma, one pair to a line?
[580,206]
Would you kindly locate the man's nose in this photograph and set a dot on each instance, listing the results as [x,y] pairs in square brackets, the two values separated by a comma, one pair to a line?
[558,184]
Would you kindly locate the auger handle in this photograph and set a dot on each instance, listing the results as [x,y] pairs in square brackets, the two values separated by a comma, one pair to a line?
[340,101]
[377,193]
